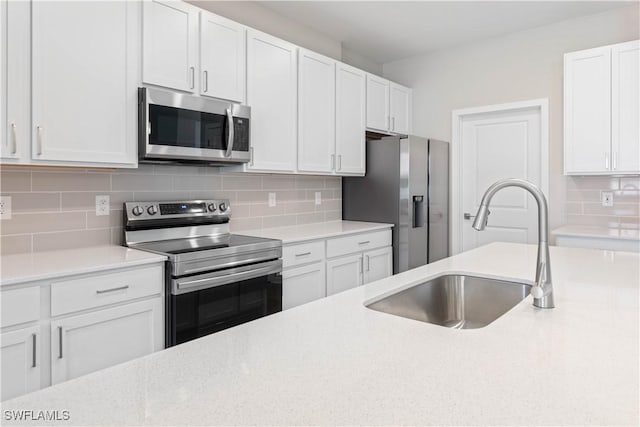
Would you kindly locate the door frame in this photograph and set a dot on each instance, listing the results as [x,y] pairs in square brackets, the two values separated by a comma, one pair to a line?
[457,117]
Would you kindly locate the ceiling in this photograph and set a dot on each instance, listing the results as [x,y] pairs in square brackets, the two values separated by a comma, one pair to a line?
[384,31]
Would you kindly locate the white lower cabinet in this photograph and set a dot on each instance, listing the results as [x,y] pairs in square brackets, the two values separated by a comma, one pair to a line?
[20,355]
[301,285]
[344,273]
[378,264]
[89,342]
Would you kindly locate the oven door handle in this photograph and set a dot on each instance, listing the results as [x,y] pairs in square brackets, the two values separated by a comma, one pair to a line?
[183,286]
[231,128]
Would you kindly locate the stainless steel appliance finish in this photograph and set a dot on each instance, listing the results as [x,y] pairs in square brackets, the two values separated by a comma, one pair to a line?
[543,291]
[191,129]
[214,279]
[455,301]
[407,184]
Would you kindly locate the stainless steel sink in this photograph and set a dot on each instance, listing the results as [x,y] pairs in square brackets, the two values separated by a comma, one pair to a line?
[455,301]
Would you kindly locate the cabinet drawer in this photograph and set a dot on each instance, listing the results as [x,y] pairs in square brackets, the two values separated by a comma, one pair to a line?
[20,306]
[94,291]
[302,253]
[359,242]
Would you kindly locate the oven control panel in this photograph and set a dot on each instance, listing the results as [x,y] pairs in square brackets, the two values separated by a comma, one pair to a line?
[135,211]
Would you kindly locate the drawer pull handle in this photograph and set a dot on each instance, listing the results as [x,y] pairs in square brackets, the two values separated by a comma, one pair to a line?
[304,254]
[104,291]
[365,242]
[33,350]
[60,354]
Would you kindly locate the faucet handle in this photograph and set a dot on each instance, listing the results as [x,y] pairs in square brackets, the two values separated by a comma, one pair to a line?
[537,292]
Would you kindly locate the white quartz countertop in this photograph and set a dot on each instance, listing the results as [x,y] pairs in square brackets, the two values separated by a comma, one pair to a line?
[336,362]
[597,232]
[322,230]
[29,267]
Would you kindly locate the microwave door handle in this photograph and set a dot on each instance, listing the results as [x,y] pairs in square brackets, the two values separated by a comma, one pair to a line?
[230,133]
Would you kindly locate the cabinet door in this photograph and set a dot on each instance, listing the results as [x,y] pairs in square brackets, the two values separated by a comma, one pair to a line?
[378,264]
[400,105]
[16,81]
[303,284]
[377,103]
[625,107]
[90,342]
[272,95]
[169,44]
[20,351]
[587,111]
[350,120]
[344,273]
[222,57]
[316,112]
[84,81]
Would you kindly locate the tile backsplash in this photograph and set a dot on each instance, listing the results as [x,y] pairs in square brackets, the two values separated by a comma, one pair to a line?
[584,206]
[54,208]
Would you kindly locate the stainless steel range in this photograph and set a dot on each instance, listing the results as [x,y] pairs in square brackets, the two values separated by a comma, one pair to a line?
[214,279]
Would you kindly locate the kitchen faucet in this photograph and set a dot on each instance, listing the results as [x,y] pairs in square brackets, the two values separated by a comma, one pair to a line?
[542,292]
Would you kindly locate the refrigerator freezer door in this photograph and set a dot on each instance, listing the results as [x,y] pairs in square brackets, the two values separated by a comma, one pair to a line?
[438,215]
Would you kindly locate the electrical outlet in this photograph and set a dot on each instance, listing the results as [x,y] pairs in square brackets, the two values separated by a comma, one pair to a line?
[5,207]
[102,205]
[272,200]
[318,198]
[607,198]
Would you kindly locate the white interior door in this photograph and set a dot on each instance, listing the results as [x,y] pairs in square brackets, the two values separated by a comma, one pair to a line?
[497,145]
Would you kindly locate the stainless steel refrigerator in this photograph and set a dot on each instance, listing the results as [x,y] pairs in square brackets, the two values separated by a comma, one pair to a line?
[406,184]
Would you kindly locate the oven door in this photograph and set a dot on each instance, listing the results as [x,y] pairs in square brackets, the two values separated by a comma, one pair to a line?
[178,127]
[207,303]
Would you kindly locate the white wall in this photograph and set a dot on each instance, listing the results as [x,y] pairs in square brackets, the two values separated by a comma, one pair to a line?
[520,66]
[256,16]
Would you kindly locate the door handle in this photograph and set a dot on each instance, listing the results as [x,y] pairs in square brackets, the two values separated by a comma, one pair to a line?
[468,216]
[230,138]
[393,123]
[615,160]
[104,291]
[205,78]
[333,161]
[250,156]
[60,354]
[193,76]
[339,161]
[33,350]
[606,161]
[361,265]
[368,263]
[39,139]
[14,138]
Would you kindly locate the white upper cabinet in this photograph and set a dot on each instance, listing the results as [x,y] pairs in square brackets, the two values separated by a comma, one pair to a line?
[84,79]
[601,110]
[222,58]
[316,112]
[625,107]
[377,103]
[272,95]
[587,111]
[169,36]
[350,120]
[400,109]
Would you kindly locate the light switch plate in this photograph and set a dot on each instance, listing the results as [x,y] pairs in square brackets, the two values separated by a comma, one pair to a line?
[5,207]
[272,200]
[102,205]
[318,198]
[607,198]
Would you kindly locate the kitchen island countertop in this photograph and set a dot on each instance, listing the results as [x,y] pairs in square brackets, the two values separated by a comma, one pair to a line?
[335,362]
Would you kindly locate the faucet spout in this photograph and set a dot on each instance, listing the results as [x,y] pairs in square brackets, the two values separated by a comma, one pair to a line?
[542,292]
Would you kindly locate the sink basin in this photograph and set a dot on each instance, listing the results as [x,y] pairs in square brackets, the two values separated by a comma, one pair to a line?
[455,301]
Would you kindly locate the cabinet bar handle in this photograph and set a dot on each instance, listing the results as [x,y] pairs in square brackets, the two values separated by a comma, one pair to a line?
[304,254]
[333,161]
[33,351]
[250,156]
[364,243]
[339,161]
[206,81]
[361,264]
[14,138]
[60,354]
[393,123]
[615,160]
[368,262]
[39,139]
[104,291]
[193,77]
[606,161]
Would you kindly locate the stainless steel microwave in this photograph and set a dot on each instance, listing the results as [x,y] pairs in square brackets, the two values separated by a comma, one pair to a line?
[175,127]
